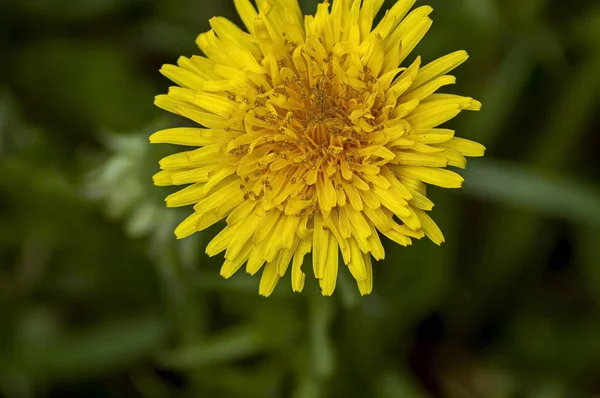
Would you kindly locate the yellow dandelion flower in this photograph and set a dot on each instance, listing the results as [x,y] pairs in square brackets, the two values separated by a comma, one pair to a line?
[313,138]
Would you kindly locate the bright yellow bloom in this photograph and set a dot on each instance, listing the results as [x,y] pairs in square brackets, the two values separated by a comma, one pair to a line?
[313,139]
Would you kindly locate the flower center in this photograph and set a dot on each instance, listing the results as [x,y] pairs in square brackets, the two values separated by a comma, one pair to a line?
[312,132]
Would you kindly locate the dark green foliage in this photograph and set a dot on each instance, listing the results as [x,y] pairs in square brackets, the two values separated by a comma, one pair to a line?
[98,299]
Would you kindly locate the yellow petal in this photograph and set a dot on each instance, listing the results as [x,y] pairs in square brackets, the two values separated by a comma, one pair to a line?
[326,193]
[377,250]
[454,158]
[242,235]
[440,67]
[365,286]
[205,156]
[191,136]
[421,201]
[414,36]
[197,68]
[439,99]
[289,231]
[393,17]
[328,282]
[187,227]
[356,266]
[411,233]
[402,82]
[283,260]
[216,104]
[247,13]
[373,57]
[357,220]
[206,220]
[431,229]
[255,261]
[187,196]
[227,29]
[429,88]
[369,10]
[231,266]
[419,159]
[274,243]
[431,136]
[370,200]
[220,242]
[397,237]
[435,176]
[269,279]
[333,223]
[200,174]
[466,147]
[408,27]
[226,192]
[266,225]
[320,245]
[183,77]
[382,221]
[411,220]
[298,277]
[241,212]
[163,178]
[425,117]
[398,206]
[218,175]
[205,119]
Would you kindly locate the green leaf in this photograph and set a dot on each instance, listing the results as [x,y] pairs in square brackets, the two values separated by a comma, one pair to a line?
[60,10]
[547,194]
[395,385]
[107,347]
[500,96]
[322,349]
[84,83]
[589,254]
[228,346]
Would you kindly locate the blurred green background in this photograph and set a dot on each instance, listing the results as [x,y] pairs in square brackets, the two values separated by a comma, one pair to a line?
[98,299]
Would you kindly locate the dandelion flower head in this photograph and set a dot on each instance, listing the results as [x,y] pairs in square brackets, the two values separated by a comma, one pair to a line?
[312,137]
